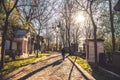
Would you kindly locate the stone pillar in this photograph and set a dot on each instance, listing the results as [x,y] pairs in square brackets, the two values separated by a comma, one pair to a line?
[26,47]
[22,47]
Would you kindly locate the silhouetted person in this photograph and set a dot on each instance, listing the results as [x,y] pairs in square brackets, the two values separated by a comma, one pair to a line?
[63,53]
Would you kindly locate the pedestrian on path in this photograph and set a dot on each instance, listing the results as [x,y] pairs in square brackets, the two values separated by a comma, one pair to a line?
[63,53]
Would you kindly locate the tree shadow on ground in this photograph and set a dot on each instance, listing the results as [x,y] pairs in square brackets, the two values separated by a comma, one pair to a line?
[69,78]
[74,65]
[54,64]
[57,62]
[49,58]
[40,69]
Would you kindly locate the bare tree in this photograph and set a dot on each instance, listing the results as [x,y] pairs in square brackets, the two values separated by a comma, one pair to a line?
[87,6]
[44,12]
[67,17]
[38,12]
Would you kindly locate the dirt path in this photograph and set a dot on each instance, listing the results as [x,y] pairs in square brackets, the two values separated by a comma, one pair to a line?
[50,68]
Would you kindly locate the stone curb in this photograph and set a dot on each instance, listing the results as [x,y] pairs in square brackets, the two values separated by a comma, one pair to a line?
[112,73]
[84,73]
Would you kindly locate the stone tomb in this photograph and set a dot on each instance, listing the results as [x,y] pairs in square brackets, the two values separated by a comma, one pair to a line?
[89,49]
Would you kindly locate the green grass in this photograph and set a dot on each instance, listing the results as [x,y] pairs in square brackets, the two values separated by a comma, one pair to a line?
[12,65]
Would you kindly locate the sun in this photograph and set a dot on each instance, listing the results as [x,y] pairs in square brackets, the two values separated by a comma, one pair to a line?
[80,18]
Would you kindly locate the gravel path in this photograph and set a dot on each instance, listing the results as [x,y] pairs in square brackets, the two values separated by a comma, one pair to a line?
[50,68]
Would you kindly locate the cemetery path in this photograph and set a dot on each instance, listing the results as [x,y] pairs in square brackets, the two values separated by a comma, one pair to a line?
[50,68]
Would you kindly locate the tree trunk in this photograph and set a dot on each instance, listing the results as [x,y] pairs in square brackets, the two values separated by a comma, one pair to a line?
[48,45]
[112,27]
[95,30]
[56,42]
[7,12]
[66,40]
[37,45]
[4,41]
[11,41]
[63,40]
[69,44]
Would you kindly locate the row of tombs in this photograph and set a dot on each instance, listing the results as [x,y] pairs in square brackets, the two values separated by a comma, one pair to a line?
[23,44]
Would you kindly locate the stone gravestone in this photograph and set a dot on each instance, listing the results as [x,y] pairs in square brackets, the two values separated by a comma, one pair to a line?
[89,49]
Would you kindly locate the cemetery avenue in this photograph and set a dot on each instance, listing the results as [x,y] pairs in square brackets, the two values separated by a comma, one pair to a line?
[50,68]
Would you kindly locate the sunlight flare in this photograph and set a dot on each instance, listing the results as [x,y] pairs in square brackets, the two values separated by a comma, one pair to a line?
[80,18]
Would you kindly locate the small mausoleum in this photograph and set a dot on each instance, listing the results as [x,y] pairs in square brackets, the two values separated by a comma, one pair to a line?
[23,41]
[89,49]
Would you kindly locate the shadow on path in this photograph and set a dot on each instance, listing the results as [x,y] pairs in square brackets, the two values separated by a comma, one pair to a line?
[40,69]
[78,70]
[55,63]
[69,78]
